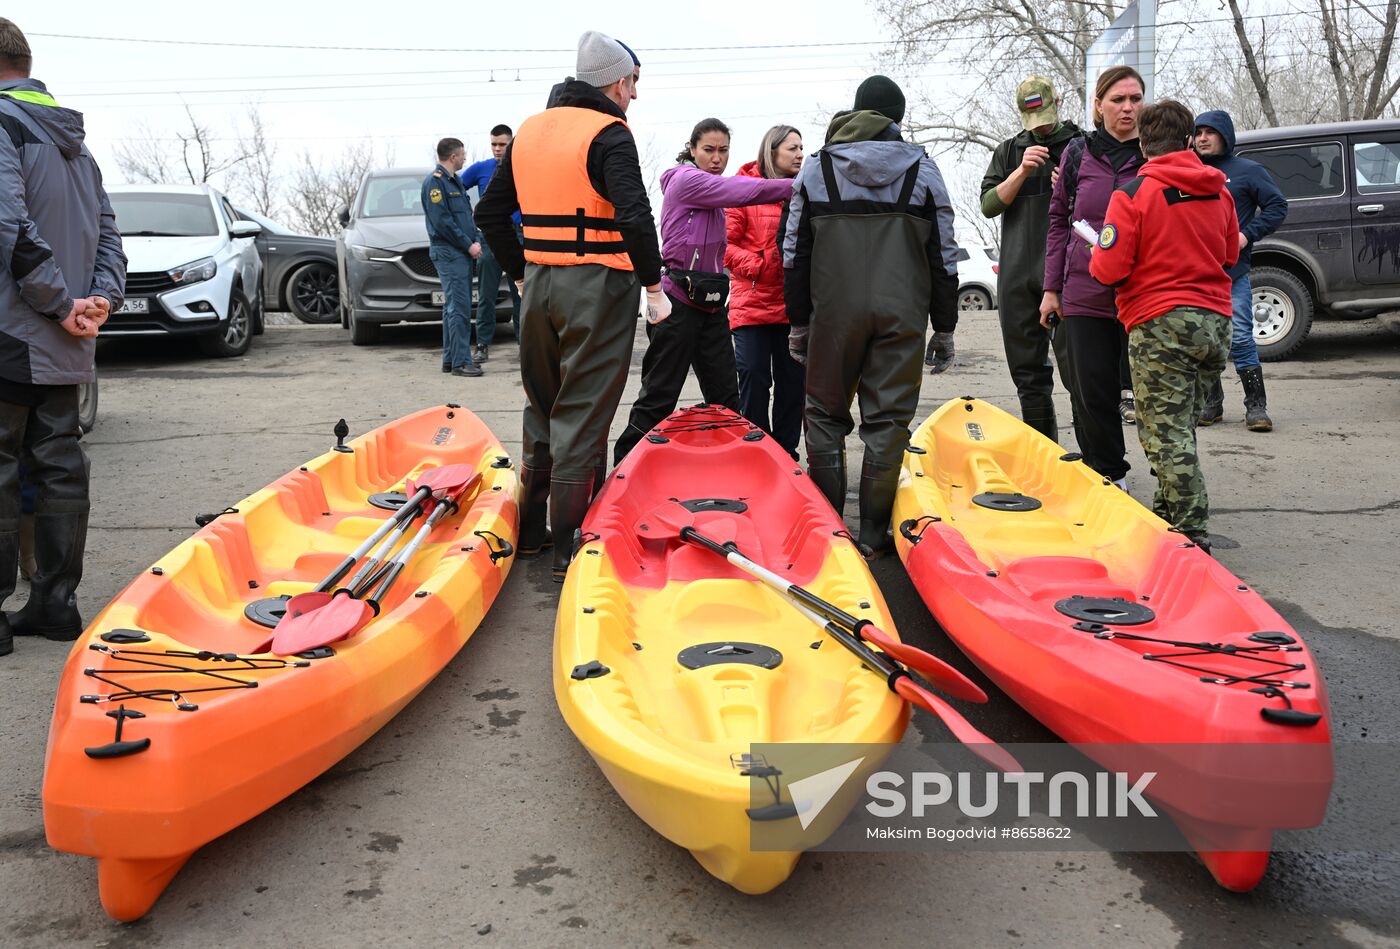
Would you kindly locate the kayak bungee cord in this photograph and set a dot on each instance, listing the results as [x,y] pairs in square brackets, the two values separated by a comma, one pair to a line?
[150,661]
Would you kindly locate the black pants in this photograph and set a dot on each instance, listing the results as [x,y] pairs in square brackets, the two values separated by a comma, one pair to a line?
[1028,346]
[761,355]
[1096,348]
[688,337]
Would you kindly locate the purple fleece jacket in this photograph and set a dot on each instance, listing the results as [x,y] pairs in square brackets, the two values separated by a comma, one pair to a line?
[692,216]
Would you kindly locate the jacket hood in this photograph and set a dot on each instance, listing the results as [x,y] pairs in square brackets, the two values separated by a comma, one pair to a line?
[1184,171]
[749,169]
[1220,121]
[864,126]
[64,126]
[873,164]
[580,95]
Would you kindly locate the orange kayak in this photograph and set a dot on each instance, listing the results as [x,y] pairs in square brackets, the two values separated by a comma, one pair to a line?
[171,728]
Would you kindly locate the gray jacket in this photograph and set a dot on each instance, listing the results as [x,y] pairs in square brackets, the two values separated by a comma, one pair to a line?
[58,237]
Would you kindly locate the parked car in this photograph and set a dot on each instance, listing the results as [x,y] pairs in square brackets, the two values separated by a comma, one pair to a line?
[977,279]
[1338,253]
[382,258]
[299,271]
[192,268]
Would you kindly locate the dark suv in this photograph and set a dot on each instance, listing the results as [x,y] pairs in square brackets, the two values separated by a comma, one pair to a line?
[1338,253]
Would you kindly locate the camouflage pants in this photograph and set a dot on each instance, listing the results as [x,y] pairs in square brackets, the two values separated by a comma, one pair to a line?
[1174,358]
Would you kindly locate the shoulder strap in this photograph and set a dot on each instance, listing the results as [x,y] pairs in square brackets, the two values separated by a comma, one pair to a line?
[906,193]
[1071,170]
[833,193]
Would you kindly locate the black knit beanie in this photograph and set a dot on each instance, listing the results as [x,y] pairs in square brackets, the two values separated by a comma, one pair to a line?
[881,94]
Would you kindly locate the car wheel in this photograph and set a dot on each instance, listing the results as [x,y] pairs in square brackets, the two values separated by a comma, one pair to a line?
[362,333]
[313,293]
[1283,312]
[974,298]
[87,405]
[235,334]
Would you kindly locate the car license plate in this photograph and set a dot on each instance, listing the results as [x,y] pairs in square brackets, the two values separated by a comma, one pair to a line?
[135,305]
[439,298]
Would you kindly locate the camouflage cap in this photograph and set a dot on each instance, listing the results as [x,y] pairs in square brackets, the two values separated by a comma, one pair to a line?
[1035,99]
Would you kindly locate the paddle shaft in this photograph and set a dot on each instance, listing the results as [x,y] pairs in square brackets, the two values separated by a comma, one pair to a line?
[353,557]
[375,564]
[401,559]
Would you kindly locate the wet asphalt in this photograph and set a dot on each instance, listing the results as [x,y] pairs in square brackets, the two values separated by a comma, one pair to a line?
[475,817]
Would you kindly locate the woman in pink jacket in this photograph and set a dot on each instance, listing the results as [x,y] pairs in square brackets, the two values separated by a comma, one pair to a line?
[696,334]
[757,316]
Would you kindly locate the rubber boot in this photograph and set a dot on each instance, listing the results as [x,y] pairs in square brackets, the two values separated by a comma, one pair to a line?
[26,546]
[9,563]
[877,487]
[534,508]
[52,608]
[828,472]
[1256,409]
[568,503]
[1215,404]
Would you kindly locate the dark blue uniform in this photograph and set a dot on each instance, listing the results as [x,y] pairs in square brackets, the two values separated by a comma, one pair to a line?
[451,233]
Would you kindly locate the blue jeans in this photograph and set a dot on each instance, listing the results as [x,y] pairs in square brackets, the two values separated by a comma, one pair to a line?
[489,270]
[1243,353]
[761,356]
[454,269]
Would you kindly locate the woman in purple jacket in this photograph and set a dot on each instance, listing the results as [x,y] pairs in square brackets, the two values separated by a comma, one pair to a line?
[1090,170]
[692,248]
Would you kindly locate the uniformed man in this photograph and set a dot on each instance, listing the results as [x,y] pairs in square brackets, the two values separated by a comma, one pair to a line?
[1016,187]
[453,244]
[62,271]
[573,173]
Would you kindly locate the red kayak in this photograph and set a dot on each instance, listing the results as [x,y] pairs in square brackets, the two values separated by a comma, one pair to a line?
[1117,633]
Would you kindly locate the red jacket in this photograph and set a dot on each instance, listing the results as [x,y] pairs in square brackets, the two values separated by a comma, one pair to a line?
[1168,238]
[754,263]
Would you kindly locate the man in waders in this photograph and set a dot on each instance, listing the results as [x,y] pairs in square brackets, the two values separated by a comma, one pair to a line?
[870,258]
[1016,187]
[573,173]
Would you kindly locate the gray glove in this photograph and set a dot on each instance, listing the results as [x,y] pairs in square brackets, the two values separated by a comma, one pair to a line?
[940,353]
[797,344]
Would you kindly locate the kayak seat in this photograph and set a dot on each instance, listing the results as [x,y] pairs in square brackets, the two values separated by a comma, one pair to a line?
[1056,577]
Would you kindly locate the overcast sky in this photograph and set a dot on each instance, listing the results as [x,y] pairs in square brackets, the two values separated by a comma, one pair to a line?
[328,100]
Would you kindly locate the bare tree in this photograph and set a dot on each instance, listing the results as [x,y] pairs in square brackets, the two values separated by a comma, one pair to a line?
[1359,42]
[319,189]
[256,181]
[194,155]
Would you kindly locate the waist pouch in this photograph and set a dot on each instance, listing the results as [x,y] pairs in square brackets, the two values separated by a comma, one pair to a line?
[701,287]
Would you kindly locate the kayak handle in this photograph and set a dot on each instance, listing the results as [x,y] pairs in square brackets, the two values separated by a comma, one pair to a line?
[505,550]
[906,528]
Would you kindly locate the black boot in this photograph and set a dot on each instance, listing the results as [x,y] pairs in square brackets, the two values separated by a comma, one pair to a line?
[52,608]
[877,487]
[9,563]
[1256,409]
[1215,404]
[534,508]
[568,503]
[828,472]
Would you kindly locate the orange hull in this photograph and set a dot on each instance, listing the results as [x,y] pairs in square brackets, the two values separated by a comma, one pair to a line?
[231,733]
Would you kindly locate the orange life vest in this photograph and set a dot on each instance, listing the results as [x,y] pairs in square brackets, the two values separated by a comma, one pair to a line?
[565,220]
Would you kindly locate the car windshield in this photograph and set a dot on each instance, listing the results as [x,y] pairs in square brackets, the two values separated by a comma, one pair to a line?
[152,214]
[267,224]
[392,197]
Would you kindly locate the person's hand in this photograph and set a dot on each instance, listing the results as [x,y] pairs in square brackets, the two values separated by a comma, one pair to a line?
[1054,175]
[797,344]
[939,356]
[1049,303]
[1034,157]
[475,250]
[658,305]
[98,309]
[520,287]
[76,323]
[1244,241]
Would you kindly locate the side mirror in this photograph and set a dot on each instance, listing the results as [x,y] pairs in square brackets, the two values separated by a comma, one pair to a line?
[244,229]
[963,254]
[342,214]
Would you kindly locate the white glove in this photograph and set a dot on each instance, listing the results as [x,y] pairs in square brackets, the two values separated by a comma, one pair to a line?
[520,287]
[658,306]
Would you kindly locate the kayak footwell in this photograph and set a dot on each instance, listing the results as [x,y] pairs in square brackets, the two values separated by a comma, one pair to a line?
[129,888]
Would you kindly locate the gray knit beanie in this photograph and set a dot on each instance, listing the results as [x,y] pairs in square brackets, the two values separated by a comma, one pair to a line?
[602,60]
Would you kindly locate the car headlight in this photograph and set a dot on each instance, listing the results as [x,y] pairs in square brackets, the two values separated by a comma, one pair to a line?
[199,270]
[365,252]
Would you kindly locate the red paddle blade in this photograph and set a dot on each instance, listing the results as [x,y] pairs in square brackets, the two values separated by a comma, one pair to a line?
[665,521]
[303,629]
[449,479]
[929,666]
[978,743]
